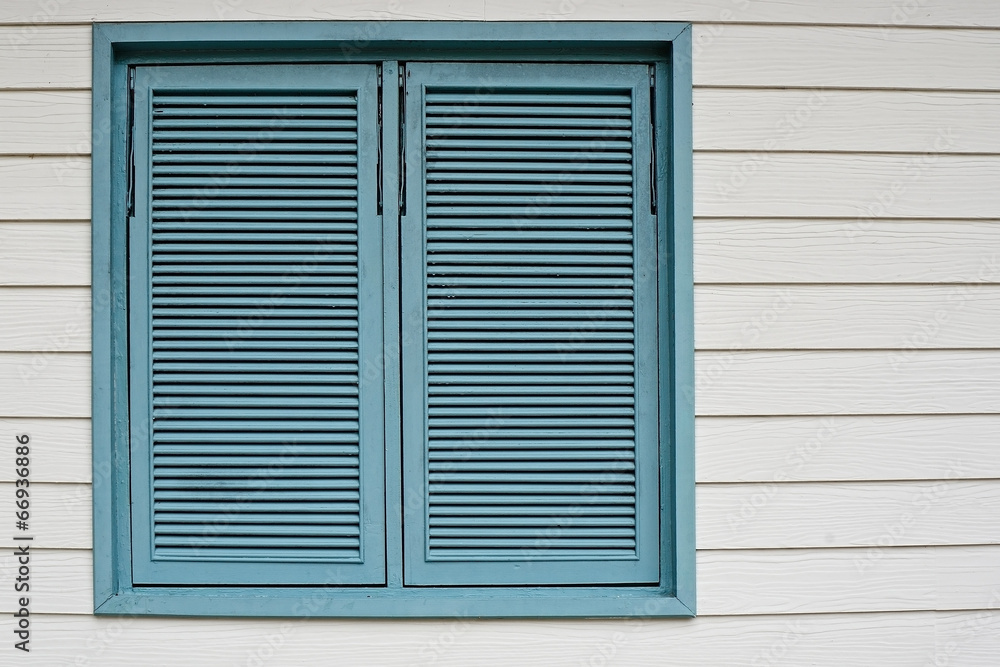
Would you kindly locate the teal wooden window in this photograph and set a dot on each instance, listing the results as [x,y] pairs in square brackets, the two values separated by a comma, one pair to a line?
[401,330]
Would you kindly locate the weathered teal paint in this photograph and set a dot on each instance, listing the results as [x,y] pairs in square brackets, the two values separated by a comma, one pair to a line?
[677,227]
[530,368]
[119,46]
[213,302]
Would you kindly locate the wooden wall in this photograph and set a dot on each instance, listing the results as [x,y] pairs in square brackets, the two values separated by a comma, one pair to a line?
[847,267]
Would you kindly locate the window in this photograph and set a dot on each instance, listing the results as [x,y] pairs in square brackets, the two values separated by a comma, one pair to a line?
[393,319]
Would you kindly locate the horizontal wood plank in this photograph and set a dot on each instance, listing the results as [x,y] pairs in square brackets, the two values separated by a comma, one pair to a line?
[844,120]
[730,582]
[52,319]
[60,448]
[45,56]
[847,383]
[85,11]
[859,186]
[45,188]
[39,384]
[845,57]
[926,12]
[39,122]
[832,580]
[49,253]
[848,251]
[831,448]
[59,514]
[846,317]
[852,514]
[61,580]
[817,640]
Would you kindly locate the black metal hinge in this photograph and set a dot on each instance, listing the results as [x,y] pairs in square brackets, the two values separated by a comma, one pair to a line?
[402,139]
[378,168]
[130,148]
[652,140]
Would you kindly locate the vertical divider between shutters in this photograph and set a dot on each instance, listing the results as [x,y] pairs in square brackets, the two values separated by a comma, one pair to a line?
[392,165]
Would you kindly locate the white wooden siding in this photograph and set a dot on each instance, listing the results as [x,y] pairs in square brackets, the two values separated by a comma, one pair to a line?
[871,382]
[831,448]
[926,12]
[49,121]
[63,448]
[850,250]
[838,185]
[795,317]
[34,57]
[857,121]
[846,57]
[847,268]
[37,384]
[45,253]
[45,319]
[965,638]
[45,188]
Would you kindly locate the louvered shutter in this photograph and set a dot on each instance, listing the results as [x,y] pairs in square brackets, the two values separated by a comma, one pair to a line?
[255,296]
[530,410]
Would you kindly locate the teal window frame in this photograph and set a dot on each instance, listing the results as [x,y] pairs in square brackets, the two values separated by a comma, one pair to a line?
[119,47]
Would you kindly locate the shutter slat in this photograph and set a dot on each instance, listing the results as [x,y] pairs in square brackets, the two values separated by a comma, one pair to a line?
[507,504]
[500,448]
[324,518]
[346,508]
[509,113]
[301,553]
[211,166]
[275,428]
[497,125]
[545,98]
[528,295]
[511,164]
[289,176]
[254,134]
[235,499]
[326,462]
[468,524]
[299,118]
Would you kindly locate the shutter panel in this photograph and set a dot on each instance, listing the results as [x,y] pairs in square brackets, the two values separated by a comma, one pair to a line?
[255,296]
[530,362]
